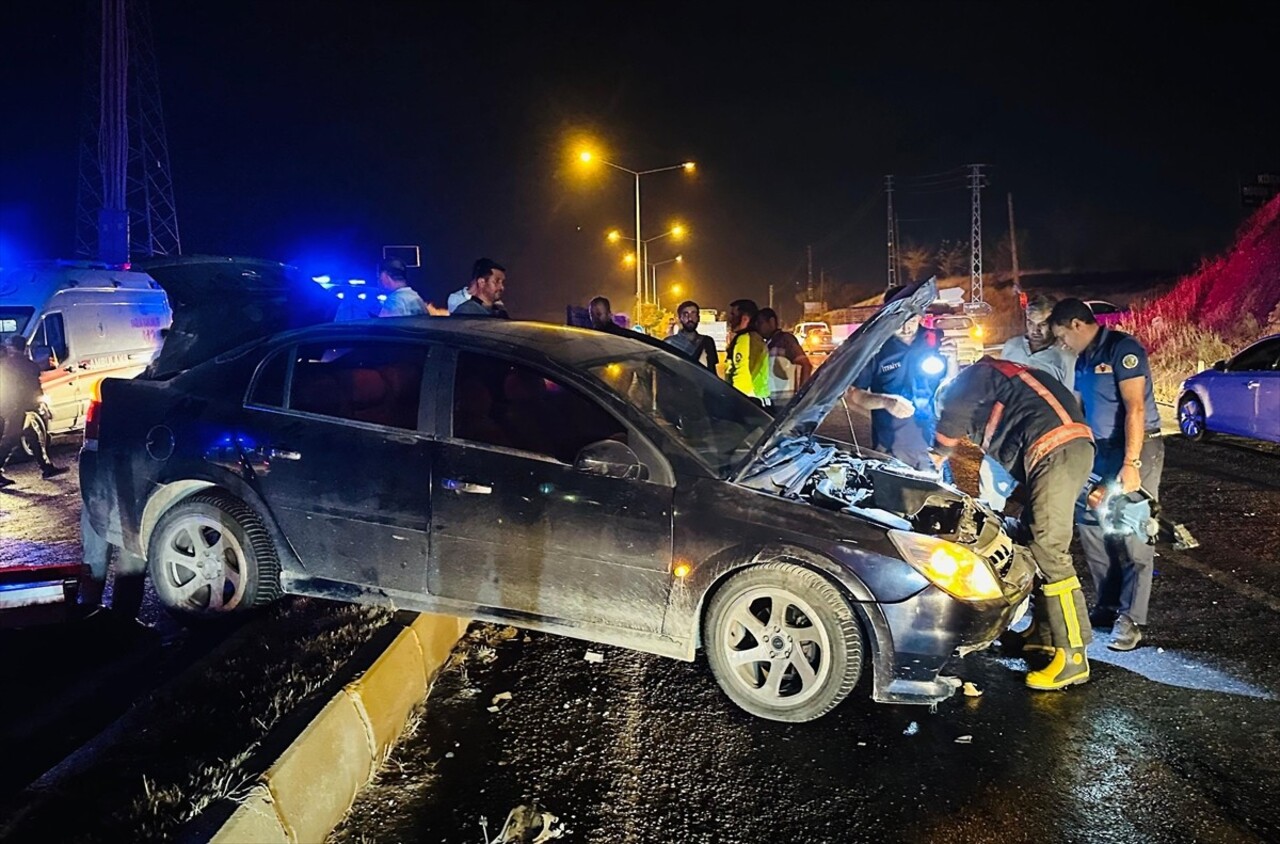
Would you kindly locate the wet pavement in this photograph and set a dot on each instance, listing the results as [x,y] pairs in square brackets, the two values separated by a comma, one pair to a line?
[1176,741]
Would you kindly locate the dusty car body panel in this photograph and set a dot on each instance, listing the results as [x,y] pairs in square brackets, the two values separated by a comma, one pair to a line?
[421,518]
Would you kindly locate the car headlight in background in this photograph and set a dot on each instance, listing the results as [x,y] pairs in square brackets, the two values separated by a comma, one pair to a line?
[951,567]
[976,332]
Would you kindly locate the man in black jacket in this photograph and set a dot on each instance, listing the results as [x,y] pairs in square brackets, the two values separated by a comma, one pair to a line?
[1033,427]
[20,395]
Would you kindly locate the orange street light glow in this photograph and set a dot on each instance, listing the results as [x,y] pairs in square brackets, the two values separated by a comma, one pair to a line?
[614,236]
[586,156]
[688,166]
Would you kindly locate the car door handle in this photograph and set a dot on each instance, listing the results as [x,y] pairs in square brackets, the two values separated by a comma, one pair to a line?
[283,454]
[466,486]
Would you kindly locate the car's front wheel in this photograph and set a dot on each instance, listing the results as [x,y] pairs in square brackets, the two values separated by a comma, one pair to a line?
[782,642]
[1191,418]
[211,555]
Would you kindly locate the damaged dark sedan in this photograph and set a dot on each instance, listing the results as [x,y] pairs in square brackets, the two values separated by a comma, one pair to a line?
[562,480]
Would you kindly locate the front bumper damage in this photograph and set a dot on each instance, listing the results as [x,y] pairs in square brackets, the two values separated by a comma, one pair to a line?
[931,627]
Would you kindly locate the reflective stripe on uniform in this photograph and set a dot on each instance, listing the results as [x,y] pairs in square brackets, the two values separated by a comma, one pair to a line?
[1069,429]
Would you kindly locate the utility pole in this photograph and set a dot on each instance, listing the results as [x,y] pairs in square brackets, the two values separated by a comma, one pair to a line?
[975,246]
[1013,250]
[822,288]
[892,238]
[808,287]
[771,295]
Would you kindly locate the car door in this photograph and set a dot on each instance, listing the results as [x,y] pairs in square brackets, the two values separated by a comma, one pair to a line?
[1265,385]
[61,385]
[516,527]
[342,460]
[1237,393]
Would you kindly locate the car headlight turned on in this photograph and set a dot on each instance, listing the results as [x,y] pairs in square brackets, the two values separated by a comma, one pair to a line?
[951,567]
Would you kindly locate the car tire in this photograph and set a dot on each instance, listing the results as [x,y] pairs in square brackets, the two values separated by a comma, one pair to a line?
[210,555]
[1191,418]
[765,624]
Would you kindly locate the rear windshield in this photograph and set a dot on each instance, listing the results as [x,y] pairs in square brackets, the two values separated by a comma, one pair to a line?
[14,321]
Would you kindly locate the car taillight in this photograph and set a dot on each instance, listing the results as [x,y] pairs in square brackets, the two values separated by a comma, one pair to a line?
[92,418]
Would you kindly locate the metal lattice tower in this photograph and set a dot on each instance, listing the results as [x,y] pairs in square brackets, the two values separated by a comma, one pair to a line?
[124,155]
[975,247]
[892,237]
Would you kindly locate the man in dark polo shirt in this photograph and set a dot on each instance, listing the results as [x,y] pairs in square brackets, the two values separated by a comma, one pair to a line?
[1114,383]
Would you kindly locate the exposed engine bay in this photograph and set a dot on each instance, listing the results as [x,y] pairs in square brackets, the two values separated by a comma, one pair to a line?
[893,495]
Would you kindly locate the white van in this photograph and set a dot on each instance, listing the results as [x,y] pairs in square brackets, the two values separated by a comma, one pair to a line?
[85,322]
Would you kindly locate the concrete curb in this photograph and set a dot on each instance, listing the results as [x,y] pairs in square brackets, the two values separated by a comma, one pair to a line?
[308,790]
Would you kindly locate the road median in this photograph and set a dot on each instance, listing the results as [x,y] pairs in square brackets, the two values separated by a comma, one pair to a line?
[308,789]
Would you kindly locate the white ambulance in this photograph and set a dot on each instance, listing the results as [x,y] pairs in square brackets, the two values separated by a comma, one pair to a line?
[83,322]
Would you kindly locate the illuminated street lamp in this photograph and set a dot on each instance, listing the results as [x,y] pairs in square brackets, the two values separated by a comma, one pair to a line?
[654,267]
[587,157]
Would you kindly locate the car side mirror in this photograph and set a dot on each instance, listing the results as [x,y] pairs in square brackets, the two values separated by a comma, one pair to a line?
[611,459]
[43,357]
[1219,366]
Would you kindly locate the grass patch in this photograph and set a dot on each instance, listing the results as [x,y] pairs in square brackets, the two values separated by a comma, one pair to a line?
[186,745]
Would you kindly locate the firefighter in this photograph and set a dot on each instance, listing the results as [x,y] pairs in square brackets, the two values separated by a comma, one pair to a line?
[1114,382]
[1034,428]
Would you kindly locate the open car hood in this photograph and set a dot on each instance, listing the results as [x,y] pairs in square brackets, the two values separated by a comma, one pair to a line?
[796,425]
[221,303]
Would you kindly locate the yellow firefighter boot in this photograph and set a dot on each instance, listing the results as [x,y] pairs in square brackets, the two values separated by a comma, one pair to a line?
[1069,667]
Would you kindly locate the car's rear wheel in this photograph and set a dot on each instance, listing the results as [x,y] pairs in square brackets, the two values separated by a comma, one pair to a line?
[782,642]
[211,555]
[1191,418]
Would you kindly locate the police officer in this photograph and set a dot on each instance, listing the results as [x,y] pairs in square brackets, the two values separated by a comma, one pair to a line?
[1114,382]
[1034,428]
[889,386]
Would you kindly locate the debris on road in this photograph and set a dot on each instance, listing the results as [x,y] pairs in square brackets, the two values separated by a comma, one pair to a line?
[527,823]
[911,729]
[592,656]
[498,699]
[970,690]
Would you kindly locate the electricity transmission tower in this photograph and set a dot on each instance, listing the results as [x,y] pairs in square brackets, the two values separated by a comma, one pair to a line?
[125,201]
[976,181]
[892,237]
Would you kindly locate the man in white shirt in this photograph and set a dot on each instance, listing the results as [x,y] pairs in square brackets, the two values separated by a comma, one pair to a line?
[1037,349]
[402,300]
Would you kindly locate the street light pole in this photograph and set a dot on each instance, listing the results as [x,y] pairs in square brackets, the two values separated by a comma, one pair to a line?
[640,260]
[687,166]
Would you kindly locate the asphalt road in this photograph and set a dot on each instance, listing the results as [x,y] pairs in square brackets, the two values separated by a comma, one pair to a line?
[1176,741]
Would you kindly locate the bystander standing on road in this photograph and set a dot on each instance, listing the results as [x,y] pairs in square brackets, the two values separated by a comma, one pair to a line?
[1034,428]
[402,300]
[1038,349]
[789,366]
[1114,383]
[488,282]
[601,311]
[747,356]
[20,396]
[688,340]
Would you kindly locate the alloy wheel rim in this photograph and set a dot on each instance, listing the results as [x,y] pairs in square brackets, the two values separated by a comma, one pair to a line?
[776,651]
[203,564]
[1192,418]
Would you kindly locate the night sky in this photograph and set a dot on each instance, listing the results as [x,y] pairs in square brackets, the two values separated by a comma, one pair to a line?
[317,132]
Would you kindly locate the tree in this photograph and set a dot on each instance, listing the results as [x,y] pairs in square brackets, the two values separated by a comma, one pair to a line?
[952,258]
[914,259]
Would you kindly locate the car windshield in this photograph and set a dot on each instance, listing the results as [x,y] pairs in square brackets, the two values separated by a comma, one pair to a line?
[709,417]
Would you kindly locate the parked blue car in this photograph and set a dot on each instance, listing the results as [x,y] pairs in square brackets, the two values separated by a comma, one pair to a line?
[1239,396]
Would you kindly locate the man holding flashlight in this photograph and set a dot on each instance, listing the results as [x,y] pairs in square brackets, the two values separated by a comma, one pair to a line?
[1114,382]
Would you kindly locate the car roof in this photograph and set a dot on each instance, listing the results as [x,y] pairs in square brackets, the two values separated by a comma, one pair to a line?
[560,342]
